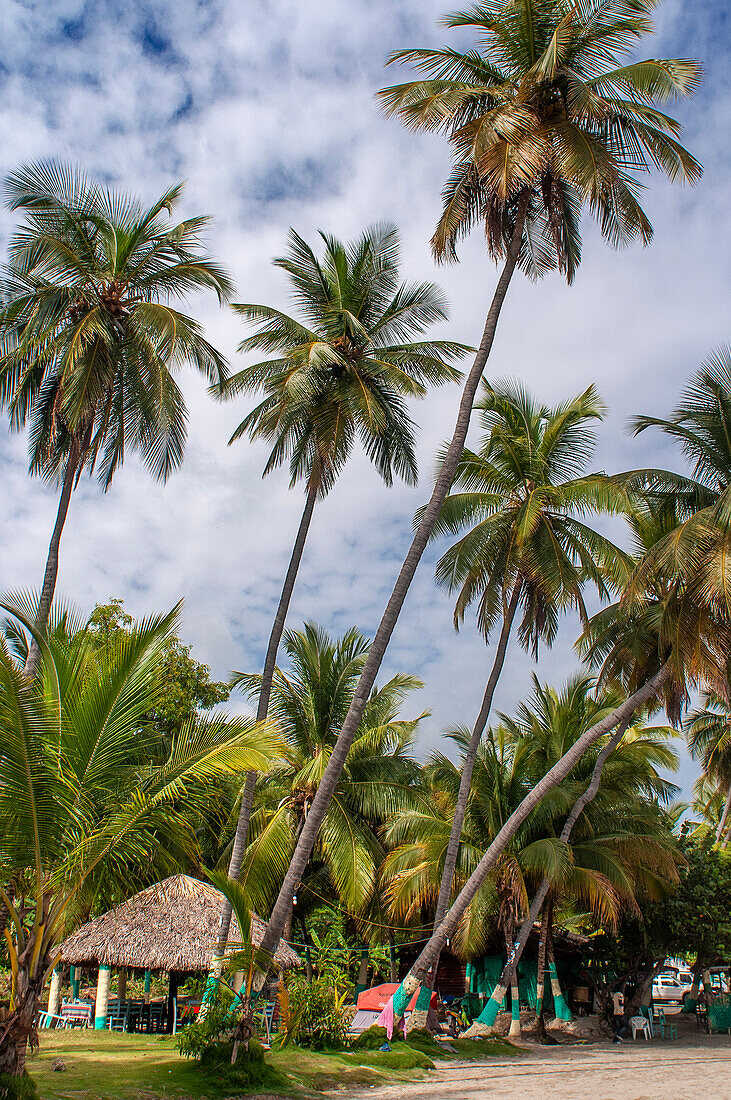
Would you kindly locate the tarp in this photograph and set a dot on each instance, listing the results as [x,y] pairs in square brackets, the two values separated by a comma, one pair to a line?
[376,998]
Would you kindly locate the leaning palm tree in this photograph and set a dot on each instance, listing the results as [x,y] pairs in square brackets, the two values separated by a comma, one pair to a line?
[308,703]
[343,371]
[547,95]
[523,496]
[667,635]
[709,740]
[91,338]
[77,794]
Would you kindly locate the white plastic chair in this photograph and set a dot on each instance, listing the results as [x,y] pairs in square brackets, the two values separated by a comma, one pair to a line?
[639,1023]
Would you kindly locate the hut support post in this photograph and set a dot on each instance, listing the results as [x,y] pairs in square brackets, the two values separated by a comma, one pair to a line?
[237,981]
[172,1012]
[54,993]
[122,984]
[393,964]
[148,985]
[102,997]
[75,982]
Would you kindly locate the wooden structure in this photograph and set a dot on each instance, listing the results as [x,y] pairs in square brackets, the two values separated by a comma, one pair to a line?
[171,927]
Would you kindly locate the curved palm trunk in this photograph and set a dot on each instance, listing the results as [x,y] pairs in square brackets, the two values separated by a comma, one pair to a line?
[460,809]
[242,825]
[490,1011]
[552,778]
[51,573]
[393,608]
[724,815]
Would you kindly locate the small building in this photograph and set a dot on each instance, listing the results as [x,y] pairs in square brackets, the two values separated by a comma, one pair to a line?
[171,927]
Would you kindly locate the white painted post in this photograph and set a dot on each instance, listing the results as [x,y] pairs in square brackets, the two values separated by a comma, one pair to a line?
[54,993]
[102,997]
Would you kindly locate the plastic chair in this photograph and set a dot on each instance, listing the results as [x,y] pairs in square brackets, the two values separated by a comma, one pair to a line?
[665,1025]
[641,1024]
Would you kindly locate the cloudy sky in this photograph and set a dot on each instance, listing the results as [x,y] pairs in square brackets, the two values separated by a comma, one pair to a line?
[267,110]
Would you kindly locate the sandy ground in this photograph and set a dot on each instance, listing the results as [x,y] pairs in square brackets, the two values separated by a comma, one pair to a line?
[695,1069]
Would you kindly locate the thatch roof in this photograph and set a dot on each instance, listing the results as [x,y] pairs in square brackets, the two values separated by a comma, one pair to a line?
[172,925]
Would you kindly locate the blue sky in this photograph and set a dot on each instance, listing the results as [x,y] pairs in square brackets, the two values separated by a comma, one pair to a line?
[267,111]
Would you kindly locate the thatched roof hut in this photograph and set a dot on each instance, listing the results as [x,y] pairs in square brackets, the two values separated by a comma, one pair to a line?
[171,926]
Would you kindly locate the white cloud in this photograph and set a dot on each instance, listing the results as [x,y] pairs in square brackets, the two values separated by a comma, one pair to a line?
[268,111]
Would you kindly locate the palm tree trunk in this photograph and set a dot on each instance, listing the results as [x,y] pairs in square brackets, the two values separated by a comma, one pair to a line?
[242,825]
[551,779]
[541,970]
[490,1011]
[724,815]
[49,578]
[460,809]
[386,627]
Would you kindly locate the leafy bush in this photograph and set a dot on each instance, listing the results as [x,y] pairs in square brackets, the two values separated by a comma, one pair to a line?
[323,1017]
[195,1039]
[399,1057]
[17,1088]
[374,1037]
[420,1038]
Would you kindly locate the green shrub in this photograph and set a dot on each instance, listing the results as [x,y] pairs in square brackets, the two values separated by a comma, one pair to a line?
[399,1057]
[422,1039]
[374,1037]
[17,1088]
[195,1039]
[323,1017]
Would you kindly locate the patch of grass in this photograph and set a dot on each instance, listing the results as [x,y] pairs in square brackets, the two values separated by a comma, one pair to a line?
[478,1049]
[101,1065]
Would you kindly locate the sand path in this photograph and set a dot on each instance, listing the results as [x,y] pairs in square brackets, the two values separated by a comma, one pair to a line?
[629,1071]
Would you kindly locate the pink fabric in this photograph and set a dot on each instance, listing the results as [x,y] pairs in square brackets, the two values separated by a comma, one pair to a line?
[386,1018]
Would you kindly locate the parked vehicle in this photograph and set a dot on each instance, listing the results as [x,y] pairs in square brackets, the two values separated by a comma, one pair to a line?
[668,987]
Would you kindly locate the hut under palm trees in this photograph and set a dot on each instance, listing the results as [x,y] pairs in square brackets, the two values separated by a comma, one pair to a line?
[170,927]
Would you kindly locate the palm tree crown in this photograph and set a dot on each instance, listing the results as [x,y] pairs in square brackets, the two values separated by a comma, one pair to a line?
[308,704]
[524,494]
[343,371]
[543,116]
[90,338]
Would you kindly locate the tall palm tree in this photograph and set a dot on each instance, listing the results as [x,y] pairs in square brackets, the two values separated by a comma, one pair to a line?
[667,635]
[600,867]
[523,497]
[76,795]
[577,128]
[343,371]
[708,731]
[91,338]
[307,705]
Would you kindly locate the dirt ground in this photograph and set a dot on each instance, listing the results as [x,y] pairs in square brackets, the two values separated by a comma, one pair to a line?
[695,1066]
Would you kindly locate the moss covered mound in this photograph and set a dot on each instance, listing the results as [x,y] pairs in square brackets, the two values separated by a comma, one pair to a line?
[374,1037]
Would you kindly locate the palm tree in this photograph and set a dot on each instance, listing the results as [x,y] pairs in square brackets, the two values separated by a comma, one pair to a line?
[701,425]
[601,867]
[77,795]
[343,371]
[626,804]
[523,496]
[709,740]
[578,129]
[307,706]
[667,635]
[90,337]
